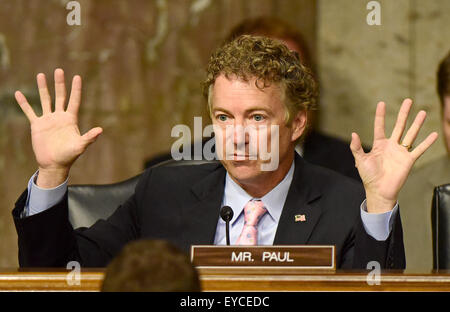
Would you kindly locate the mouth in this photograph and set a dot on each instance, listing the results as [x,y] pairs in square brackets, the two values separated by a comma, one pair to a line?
[241,157]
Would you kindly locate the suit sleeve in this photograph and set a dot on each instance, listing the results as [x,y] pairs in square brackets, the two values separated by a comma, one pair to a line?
[47,239]
[361,248]
[389,253]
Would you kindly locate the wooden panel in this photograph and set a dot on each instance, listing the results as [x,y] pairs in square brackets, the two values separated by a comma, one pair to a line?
[327,282]
[14,280]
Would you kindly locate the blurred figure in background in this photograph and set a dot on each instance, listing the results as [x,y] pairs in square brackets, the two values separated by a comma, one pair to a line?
[416,196]
[444,94]
[317,148]
[150,265]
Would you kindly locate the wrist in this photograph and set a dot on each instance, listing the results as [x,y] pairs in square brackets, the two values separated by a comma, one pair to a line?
[378,204]
[51,177]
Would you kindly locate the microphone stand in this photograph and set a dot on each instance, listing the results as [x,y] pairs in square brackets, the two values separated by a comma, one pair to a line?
[226,213]
[227,224]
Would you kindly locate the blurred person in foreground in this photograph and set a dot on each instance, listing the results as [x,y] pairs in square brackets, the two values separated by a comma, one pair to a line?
[315,147]
[150,265]
[254,82]
[417,193]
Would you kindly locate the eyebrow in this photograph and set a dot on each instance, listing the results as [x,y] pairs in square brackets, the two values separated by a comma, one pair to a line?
[247,111]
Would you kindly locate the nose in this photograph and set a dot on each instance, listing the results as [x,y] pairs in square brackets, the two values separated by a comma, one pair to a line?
[240,135]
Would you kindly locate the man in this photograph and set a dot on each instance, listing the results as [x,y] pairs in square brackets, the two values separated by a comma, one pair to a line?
[417,194]
[316,147]
[151,265]
[252,81]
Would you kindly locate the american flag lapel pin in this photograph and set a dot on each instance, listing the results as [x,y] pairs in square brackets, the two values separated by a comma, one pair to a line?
[300,218]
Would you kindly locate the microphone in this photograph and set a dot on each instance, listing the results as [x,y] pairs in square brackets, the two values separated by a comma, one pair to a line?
[226,213]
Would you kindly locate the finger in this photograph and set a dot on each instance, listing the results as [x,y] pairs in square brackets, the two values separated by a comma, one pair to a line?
[90,136]
[75,96]
[413,131]
[422,147]
[402,117]
[356,147]
[26,108]
[60,90]
[46,101]
[380,113]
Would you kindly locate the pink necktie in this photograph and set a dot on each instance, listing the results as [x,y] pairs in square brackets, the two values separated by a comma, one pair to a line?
[254,210]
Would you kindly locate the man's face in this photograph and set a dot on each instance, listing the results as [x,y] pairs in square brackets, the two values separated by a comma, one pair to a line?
[446,122]
[238,105]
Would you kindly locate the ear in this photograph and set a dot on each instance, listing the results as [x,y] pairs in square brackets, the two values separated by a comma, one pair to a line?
[299,125]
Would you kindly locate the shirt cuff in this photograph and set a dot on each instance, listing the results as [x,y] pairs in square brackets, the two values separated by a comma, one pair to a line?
[40,199]
[378,225]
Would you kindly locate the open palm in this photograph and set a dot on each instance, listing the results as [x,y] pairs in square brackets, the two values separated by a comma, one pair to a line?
[56,139]
[385,168]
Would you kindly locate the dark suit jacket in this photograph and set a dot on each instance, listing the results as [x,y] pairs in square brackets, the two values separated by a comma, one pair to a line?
[181,204]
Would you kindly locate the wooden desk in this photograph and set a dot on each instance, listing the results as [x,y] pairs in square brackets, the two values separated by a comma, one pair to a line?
[55,280]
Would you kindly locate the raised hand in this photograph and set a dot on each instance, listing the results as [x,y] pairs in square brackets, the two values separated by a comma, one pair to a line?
[55,136]
[385,168]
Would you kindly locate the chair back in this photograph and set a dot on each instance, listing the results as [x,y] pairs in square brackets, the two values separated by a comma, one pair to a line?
[91,202]
[440,225]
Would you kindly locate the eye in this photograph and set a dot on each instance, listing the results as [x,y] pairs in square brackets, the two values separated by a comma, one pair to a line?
[258,117]
[222,117]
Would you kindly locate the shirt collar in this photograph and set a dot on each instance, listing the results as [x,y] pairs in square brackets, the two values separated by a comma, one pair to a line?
[236,197]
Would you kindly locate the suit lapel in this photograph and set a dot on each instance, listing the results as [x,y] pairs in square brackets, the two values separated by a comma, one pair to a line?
[201,216]
[299,202]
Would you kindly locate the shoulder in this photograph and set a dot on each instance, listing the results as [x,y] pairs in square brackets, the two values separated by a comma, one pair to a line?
[339,197]
[334,191]
[332,187]
[179,173]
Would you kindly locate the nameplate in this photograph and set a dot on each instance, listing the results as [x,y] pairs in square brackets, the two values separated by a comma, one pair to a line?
[293,257]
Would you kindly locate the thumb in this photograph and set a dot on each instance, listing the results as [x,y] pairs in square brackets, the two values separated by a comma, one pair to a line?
[90,136]
[356,147]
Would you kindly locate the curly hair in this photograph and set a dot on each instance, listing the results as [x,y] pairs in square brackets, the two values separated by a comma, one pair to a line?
[151,265]
[268,62]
